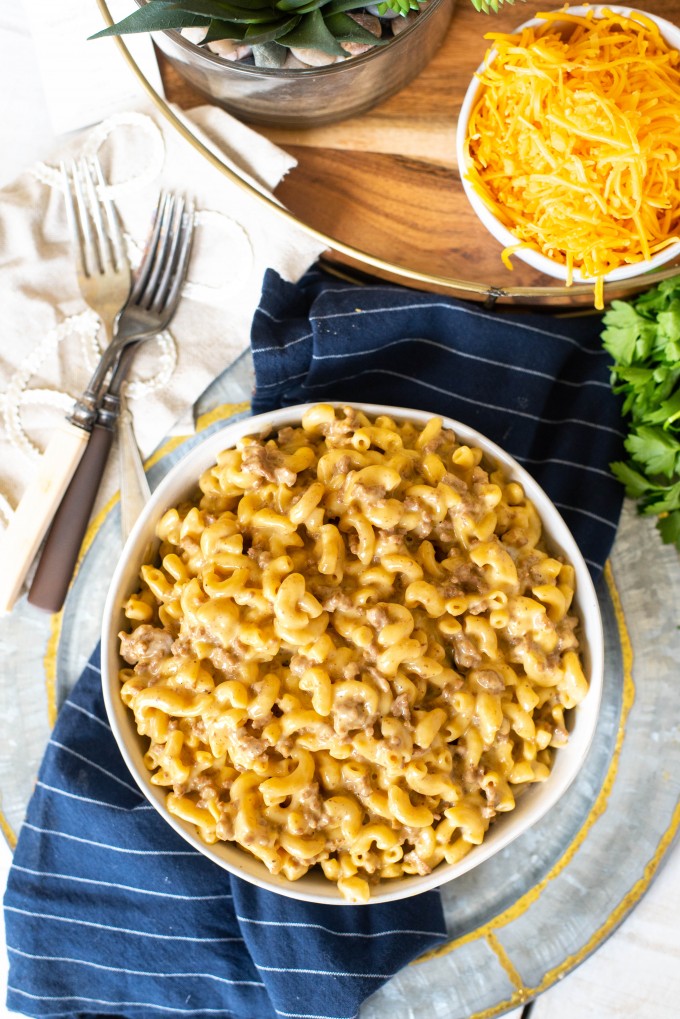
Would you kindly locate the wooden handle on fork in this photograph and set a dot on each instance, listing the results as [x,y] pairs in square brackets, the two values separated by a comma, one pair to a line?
[26,529]
[62,546]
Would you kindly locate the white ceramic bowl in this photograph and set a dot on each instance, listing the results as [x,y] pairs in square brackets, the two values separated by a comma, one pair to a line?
[533,803]
[671,33]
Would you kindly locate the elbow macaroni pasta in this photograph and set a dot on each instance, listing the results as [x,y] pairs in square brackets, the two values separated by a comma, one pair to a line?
[353,650]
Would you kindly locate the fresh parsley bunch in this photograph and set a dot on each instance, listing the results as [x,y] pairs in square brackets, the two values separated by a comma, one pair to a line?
[643,337]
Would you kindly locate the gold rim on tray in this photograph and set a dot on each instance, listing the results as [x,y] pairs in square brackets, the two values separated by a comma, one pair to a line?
[579,294]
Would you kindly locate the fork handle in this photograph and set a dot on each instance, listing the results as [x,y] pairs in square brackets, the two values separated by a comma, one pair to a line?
[26,529]
[62,546]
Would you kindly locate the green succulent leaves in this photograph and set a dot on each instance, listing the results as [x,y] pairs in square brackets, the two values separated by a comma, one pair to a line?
[398,6]
[486,6]
[315,24]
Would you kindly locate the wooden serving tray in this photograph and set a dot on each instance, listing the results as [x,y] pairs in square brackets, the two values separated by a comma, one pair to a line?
[387,182]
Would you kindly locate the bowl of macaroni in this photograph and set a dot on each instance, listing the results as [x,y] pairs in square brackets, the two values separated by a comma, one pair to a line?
[350,652]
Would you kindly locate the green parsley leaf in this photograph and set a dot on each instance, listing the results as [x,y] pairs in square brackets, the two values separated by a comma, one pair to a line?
[636,484]
[655,449]
[643,338]
[622,332]
[669,527]
[668,413]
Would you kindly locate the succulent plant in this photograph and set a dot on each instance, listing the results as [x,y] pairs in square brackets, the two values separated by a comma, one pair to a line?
[486,6]
[397,6]
[316,24]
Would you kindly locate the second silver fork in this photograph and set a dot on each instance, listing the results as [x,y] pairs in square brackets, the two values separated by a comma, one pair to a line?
[153,301]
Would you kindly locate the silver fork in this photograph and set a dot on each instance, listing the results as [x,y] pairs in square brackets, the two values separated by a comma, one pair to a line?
[103,275]
[102,266]
[154,297]
[153,301]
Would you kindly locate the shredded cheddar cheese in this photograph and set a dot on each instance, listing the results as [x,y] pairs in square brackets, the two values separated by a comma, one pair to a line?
[574,142]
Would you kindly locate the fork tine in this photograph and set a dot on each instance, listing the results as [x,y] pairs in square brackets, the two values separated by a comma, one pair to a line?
[157,298]
[104,249]
[165,238]
[145,269]
[91,264]
[114,232]
[72,220]
[186,237]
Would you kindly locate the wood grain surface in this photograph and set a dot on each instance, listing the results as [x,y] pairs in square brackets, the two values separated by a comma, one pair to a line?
[387,182]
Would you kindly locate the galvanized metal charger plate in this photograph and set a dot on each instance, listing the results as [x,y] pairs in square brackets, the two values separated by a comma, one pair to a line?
[525,918]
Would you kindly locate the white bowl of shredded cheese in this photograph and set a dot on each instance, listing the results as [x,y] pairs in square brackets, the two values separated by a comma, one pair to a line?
[362,657]
[561,156]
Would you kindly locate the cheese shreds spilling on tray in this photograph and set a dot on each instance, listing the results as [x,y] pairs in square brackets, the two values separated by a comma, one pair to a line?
[574,143]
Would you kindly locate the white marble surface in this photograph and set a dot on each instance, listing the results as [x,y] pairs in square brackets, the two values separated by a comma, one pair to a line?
[636,972]
[25,130]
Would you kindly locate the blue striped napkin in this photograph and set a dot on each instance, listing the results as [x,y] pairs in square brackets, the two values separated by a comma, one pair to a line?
[536,384]
[107,910]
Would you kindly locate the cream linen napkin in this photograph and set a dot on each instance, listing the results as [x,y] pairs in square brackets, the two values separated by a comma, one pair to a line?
[49,343]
